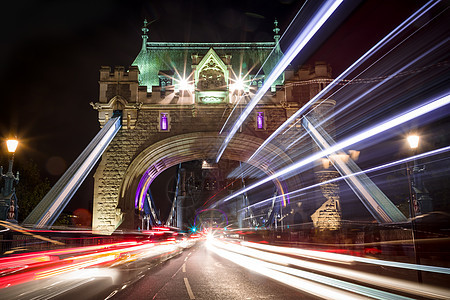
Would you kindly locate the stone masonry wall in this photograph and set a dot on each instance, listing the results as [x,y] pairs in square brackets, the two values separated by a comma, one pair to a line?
[120,90]
[128,143]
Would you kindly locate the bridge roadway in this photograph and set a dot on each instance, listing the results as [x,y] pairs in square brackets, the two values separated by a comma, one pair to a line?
[212,268]
[198,273]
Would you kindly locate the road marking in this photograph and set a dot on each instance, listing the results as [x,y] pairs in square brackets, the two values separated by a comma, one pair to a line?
[186,258]
[189,290]
[184,268]
[189,253]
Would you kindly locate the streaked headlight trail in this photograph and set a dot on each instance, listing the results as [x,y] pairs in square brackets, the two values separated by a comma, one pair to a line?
[288,265]
[408,22]
[382,127]
[300,42]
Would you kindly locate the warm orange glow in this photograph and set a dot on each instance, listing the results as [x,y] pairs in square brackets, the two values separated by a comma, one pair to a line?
[12,145]
[413,141]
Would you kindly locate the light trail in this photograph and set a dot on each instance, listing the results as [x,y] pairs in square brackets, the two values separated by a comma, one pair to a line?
[405,117]
[359,97]
[393,75]
[324,12]
[271,53]
[278,273]
[413,18]
[377,168]
[28,267]
[346,259]
[247,256]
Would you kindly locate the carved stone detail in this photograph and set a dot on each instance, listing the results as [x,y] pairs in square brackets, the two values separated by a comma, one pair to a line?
[211,77]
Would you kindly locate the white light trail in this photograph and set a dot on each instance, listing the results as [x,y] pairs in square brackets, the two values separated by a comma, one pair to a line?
[405,117]
[302,39]
[413,18]
[391,164]
[271,53]
[280,274]
[256,260]
[342,258]
[79,172]
[388,78]
[381,208]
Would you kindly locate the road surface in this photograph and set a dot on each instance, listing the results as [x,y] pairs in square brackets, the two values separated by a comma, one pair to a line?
[198,273]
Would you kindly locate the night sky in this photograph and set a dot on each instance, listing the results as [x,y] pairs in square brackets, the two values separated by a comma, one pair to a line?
[51,53]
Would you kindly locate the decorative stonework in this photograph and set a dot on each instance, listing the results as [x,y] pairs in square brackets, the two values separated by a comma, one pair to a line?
[116,178]
[328,216]
[129,142]
[211,77]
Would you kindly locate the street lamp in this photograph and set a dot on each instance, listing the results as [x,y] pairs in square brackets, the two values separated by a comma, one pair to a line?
[8,209]
[413,141]
[12,145]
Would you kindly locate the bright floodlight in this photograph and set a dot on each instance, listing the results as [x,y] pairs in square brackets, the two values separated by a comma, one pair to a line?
[12,145]
[238,85]
[413,141]
[184,85]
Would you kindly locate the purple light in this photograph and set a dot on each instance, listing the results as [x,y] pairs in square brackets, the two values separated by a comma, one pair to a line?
[139,189]
[163,122]
[260,120]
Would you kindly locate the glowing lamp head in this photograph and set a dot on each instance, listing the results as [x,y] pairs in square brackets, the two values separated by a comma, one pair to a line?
[12,145]
[413,141]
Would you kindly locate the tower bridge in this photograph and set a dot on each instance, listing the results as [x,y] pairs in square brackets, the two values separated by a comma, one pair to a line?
[284,165]
[173,105]
[174,99]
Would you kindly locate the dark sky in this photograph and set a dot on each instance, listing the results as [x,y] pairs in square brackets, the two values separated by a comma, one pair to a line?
[51,52]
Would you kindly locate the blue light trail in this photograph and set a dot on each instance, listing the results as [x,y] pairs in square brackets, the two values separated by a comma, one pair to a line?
[382,127]
[300,42]
[50,207]
[376,168]
[408,22]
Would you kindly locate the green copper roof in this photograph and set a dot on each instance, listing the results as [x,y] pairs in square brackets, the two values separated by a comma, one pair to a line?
[162,56]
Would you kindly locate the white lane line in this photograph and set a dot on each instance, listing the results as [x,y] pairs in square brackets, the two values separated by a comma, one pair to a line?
[184,268]
[186,258]
[188,287]
[189,253]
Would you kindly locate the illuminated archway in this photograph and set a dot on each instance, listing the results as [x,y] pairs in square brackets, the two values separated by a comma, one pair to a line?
[169,152]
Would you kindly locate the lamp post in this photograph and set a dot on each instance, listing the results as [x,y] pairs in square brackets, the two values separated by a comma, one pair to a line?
[413,141]
[8,196]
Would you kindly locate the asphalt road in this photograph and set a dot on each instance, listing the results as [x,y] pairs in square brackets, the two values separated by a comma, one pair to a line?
[200,274]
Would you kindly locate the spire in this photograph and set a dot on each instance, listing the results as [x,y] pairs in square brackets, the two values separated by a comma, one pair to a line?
[144,35]
[276,36]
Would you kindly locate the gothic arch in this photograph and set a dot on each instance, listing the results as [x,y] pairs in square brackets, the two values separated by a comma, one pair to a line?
[118,103]
[182,148]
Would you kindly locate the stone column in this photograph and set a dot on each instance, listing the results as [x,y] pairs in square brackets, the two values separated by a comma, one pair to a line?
[328,215]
